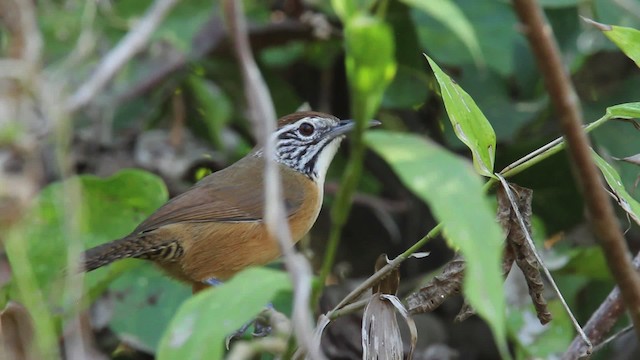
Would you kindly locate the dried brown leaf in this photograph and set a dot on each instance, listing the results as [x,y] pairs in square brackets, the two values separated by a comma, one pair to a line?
[408,320]
[525,256]
[381,337]
[436,291]
[389,284]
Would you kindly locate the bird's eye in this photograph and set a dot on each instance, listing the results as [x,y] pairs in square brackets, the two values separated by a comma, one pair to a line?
[306,129]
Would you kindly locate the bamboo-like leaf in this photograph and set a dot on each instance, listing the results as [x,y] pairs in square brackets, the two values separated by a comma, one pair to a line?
[624,111]
[468,121]
[624,199]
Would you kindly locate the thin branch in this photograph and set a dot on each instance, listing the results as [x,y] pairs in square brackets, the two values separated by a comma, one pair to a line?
[262,115]
[135,40]
[601,321]
[608,340]
[566,103]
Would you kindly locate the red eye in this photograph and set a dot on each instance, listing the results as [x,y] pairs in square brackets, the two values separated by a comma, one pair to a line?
[306,129]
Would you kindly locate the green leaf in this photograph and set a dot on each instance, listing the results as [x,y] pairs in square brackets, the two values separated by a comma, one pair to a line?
[624,199]
[624,111]
[468,121]
[370,69]
[81,210]
[627,39]
[86,209]
[199,328]
[454,192]
[214,106]
[144,302]
[449,14]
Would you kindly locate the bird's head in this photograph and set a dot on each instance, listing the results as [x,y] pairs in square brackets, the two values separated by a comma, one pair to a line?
[307,141]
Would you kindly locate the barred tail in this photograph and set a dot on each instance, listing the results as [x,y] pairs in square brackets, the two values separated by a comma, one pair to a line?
[105,254]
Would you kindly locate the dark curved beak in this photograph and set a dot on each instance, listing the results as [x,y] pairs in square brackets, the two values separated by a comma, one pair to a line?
[345,126]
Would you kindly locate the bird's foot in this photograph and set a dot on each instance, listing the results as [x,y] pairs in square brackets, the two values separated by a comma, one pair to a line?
[261,328]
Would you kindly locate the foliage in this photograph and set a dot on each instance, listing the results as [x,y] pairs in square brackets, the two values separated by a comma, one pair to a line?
[455,71]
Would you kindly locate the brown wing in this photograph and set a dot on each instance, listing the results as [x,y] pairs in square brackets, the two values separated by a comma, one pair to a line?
[230,195]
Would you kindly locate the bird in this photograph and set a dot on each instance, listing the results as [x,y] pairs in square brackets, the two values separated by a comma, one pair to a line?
[216,228]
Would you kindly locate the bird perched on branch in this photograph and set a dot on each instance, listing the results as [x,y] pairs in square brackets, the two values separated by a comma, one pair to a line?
[216,228]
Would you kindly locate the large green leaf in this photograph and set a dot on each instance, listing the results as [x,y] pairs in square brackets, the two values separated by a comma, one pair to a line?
[199,328]
[449,14]
[468,121]
[82,210]
[87,209]
[454,192]
[144,302]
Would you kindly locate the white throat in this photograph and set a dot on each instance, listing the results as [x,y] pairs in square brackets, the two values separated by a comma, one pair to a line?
[324,160]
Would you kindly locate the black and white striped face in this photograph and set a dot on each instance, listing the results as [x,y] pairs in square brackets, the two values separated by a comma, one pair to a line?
[309,143]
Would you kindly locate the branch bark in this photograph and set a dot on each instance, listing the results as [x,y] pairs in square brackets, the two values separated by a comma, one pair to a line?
[588,178]
[601,321]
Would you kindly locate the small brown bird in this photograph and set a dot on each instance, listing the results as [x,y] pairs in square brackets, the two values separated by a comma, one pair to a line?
[216,228]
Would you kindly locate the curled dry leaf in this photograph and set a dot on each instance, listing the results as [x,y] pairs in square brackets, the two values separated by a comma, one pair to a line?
[381,338]
[433,294]
[517,250]
[525,257]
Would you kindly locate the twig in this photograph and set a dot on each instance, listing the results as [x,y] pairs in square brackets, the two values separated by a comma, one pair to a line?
[545,270]
[601,321]
[611,338]
[599,207]
[382,273]
[262,114]
[130,45]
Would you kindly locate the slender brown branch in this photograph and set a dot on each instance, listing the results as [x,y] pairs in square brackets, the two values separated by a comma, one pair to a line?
[601,321]
[566,103]
[131,44]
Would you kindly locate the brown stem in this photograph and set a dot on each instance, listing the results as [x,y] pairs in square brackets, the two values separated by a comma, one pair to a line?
[601,321]
[567,106]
